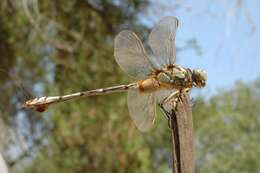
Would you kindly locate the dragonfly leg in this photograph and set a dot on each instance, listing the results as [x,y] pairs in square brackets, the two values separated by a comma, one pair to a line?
[177,97]
[166,113]
[168,98]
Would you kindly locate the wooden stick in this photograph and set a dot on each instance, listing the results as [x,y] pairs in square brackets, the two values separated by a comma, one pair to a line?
[175,145]
[180,114]
[185,134]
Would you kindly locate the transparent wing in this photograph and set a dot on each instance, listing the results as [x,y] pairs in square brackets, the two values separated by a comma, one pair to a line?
[162,42]
[142,107]
[131,56]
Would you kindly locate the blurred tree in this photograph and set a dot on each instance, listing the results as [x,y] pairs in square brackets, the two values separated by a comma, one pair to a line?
[59,47]
[227,126]
[3,167]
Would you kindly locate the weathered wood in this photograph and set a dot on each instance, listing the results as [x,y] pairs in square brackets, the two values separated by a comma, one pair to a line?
[175,145]
[180,113]
[183,115]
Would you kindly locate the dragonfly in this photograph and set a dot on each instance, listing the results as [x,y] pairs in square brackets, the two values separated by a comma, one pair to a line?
[157,77]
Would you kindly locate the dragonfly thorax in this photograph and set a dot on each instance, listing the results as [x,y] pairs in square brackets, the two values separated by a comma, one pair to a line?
[176,77]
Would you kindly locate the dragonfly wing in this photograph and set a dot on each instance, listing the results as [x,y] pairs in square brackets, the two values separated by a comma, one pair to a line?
[142,109]
[130,54]
[162,42]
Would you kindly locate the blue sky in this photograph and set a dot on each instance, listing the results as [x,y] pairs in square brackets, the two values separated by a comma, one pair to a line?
[227,34]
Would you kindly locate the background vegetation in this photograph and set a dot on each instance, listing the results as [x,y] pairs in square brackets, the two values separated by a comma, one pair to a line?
[58,47]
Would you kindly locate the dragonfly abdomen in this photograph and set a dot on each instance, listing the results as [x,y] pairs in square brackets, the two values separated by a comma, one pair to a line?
[150,85]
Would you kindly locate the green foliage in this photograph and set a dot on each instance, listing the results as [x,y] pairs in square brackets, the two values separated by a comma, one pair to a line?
[65,46]
[227,127]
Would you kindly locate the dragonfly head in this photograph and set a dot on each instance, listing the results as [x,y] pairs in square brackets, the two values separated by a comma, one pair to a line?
[199,77]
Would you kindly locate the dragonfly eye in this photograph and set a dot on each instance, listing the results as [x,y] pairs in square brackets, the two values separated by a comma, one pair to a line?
[199,77]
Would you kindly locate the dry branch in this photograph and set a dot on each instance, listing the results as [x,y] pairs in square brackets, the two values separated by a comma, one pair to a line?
[181,123]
